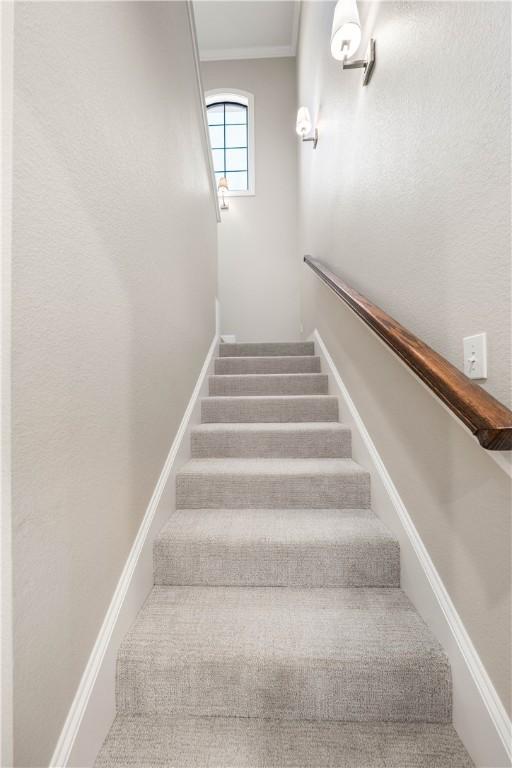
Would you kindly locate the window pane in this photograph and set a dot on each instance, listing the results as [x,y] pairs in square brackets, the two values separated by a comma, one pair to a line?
[236,160]
[228,129]
[215,114]
[218,160]
[216,136]
[236,136]
[236,113]
[237,181]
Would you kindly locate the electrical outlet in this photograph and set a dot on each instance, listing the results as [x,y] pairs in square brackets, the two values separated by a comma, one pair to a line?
[475,356]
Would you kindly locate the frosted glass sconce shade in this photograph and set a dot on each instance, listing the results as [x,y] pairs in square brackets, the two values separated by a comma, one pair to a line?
[223,187]
[303,125]
[346,30]
[346,39]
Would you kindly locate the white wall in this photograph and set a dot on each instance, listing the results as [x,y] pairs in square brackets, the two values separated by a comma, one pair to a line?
[408,193]
[114,278]
[6,676]
[258,265]
[408,199]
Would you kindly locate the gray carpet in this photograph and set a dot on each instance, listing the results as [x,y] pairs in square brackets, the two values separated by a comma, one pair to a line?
[267,349]
[276,547]
[155,741]
[269,384]
[272,483]
[277,633]
[265,408]
[312,654]
[321,440]
[288,364]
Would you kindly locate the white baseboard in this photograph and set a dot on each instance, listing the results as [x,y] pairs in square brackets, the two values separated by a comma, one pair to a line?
[478,714]
[93,708]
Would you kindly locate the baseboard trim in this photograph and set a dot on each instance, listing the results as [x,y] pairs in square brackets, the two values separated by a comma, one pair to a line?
[93,708]
[478,714]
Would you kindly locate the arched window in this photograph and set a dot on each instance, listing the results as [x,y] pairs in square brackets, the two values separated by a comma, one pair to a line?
[230,125]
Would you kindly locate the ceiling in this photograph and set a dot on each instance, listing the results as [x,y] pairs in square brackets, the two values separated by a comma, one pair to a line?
[246,29]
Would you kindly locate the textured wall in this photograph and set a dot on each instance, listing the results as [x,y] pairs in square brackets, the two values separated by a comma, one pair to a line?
[408,198]
[456,495]
[114,277]
[408,193]
[258,266]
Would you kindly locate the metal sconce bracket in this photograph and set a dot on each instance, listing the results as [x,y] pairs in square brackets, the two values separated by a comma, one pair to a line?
[367,64]
[313,138]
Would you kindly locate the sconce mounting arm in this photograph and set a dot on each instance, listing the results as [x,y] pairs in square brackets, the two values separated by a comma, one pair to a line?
[313,138]
[367,64]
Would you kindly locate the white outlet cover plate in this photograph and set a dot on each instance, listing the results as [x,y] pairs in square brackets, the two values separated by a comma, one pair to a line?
[475,356]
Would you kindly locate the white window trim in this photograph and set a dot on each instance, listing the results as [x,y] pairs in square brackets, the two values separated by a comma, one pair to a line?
[243,97]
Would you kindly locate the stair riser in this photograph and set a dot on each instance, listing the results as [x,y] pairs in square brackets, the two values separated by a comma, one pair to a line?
[243,688]
[138,741]
[268,444]
[269,384]
[263,564]
[267,349]
[276,410]
[272,492]
[289,364]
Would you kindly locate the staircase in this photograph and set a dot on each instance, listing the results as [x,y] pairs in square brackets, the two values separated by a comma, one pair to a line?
[276,633]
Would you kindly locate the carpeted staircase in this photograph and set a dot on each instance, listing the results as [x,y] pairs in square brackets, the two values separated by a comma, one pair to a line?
[277,633]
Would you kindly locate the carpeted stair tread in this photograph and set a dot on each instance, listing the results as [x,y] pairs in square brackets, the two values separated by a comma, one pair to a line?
[276,547]
[352,654]
[163,741]
[272,484]
[267,349]
[266,440]
[296,408]
[272,364]
[268,384]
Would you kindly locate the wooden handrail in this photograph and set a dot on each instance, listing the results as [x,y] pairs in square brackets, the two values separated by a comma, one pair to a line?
[488,419]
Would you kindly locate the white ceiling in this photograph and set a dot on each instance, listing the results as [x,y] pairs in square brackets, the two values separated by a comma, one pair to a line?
[246,29]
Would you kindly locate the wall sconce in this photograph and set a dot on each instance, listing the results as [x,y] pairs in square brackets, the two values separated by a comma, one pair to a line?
[223,187]
[303,126]
[346,39]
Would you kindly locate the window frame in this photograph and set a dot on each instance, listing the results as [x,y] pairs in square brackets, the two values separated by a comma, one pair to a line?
[246,99]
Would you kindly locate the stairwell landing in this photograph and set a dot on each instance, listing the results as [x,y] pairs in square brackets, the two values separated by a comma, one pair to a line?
[277,633]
